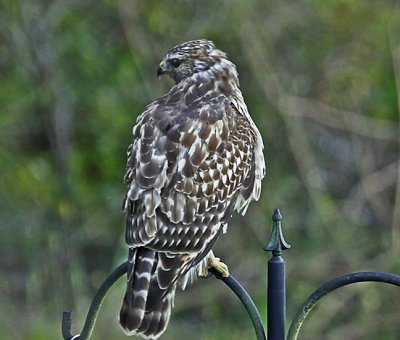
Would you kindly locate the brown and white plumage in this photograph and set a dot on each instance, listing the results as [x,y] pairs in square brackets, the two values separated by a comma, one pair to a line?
[195,158]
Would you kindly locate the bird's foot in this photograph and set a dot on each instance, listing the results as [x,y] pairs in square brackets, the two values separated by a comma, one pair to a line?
[214,262]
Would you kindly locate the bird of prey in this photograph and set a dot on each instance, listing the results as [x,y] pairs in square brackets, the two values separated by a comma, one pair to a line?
[196,157]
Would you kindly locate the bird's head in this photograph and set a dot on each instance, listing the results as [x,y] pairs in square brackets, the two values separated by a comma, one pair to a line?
[188,58]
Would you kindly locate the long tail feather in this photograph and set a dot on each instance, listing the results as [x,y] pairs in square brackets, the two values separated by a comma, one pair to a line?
[142,314]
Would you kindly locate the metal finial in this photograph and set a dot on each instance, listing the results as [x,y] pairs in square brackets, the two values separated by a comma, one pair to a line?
[277,242]
[277,216]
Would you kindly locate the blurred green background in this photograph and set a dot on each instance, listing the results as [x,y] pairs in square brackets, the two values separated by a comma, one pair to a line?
[322,81]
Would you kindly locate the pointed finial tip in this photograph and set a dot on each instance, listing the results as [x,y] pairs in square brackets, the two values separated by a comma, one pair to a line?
[277,242]
[277,215]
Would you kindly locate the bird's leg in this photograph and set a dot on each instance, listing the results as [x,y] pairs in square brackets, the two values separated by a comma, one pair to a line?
[214,262]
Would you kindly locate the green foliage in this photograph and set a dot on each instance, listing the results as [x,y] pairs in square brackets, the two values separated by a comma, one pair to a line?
[322,80]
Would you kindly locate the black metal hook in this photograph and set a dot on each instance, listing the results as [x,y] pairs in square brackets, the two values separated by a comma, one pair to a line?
[91,317]
[332,285]
[246,300]
[94,307]
[276,308]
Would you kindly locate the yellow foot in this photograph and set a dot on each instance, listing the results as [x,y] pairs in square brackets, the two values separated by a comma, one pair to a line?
[215,262]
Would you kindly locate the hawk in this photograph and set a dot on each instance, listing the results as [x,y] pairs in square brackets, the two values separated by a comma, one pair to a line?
[196,157]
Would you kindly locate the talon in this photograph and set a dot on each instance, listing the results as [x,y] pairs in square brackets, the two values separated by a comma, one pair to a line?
[220,267]
[215,262]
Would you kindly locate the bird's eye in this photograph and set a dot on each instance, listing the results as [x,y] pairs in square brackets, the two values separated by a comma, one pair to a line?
[175,62]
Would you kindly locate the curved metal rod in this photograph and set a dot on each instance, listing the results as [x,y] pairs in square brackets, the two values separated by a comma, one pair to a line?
[332,285]
[94,307]
[246,300]
[91,317]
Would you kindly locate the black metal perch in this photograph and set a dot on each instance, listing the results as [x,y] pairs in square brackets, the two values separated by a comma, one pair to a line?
[332,285]
[276,306]
[247,302]
[276,292]
[94,307]
[91,317]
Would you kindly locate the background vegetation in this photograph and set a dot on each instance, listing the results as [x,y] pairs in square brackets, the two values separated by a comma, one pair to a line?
[322,80]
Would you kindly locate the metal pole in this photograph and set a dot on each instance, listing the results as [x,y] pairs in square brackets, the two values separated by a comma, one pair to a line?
[276,298]
[276,304]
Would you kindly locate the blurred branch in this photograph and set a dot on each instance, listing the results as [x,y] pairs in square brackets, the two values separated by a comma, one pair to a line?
[337,119]
[49,75]
[370,188]
[57,9]
[138,43]
[395,56]
[299,141]
[55,107]
[299,137]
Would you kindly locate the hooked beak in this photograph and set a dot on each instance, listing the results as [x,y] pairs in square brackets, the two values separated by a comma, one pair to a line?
[161,69]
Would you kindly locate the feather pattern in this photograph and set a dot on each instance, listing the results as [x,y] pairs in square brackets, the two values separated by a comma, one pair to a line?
[196,157]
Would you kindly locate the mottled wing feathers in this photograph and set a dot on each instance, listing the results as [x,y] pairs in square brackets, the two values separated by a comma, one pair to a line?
[191,154]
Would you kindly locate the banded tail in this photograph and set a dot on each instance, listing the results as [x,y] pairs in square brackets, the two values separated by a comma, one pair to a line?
[150,292]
